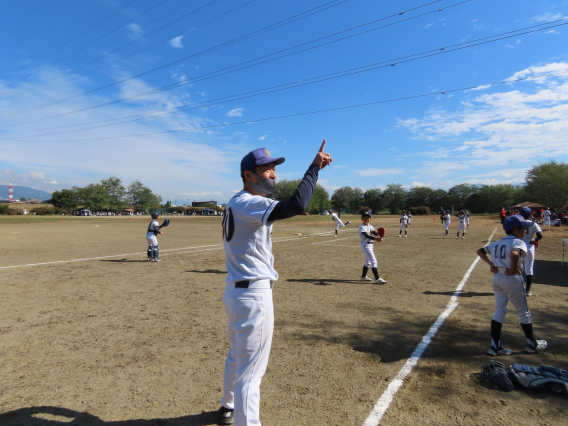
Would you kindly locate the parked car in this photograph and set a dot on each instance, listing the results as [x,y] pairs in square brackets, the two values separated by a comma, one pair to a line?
[305,214]
[324,213]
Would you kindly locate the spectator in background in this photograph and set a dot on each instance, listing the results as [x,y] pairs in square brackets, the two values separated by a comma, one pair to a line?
[546,217]
[503,214]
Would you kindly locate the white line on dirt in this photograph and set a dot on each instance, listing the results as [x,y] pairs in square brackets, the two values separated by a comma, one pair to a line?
[189,250]
[334,240]
[386,398]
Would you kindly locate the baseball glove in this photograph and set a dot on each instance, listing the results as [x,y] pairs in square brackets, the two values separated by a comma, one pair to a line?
[535,244]
[382,232]
[497,372]
[166,223]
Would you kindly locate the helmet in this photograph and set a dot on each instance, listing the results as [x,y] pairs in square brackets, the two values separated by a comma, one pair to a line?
[525,212]
[366,213]
[155,214]
[461,211]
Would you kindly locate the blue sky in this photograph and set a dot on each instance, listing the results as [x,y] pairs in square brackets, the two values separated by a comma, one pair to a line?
[57,57]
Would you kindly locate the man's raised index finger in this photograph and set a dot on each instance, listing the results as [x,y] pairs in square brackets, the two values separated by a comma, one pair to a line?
[322,146]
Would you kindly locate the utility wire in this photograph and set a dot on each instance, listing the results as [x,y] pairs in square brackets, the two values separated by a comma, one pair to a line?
[312,80]
[286,21]
[252,60]
[120,38]
[424,95]
[92,42]
[70,40]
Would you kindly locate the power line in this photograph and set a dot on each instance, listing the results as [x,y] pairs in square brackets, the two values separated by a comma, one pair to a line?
[120,38]
[71,39]
[270,27]
[424,95]
[252,60]
[86,45]
[326,77]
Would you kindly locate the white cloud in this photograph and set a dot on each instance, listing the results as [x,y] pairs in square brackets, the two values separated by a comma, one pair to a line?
[237,112]
[547,17]
[524,125]
[135,30]
[415,184]
[378,172]
[53,182]
[429,25]
[263,137]
[176,42]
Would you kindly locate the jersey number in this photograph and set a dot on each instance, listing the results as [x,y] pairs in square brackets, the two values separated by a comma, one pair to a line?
[228,225]
[500,251]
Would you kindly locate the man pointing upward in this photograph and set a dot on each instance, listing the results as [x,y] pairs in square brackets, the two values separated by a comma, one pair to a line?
[247,226]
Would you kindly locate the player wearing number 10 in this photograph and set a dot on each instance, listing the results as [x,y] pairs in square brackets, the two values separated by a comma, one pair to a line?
[508,285]
[247,226]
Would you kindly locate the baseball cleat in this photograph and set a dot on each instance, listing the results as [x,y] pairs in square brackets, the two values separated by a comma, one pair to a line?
[156,260]
[150,259]
[540,346]
[226,416]
[463,238]
[399,236]
[365,279]
[457,238]
[380,281]
[528,293]
[406,236]
[493,351]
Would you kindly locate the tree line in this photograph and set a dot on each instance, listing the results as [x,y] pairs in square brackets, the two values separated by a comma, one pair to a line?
[546,184]
[108,195]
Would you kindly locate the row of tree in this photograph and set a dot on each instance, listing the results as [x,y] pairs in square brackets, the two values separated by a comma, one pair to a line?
[320,198]
[108,195]
[546,184]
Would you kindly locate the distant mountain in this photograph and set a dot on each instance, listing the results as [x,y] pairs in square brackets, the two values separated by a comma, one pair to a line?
[24,191]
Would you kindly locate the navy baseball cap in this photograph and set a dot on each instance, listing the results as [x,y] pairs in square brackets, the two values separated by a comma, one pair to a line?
[258,157]
[515,221]
[366,213]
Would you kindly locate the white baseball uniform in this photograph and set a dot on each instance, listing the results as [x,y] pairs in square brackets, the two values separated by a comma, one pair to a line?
[367,245]
[250,312]
[462,225]
[467,219]
[403,222]
[529,258]
[448,221]
[507,288]
[152,240]
[546,218]
[338,221]
[409,217]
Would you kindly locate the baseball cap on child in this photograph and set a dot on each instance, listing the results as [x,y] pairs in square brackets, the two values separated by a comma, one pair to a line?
[258,157]
[515,221]
[366,213]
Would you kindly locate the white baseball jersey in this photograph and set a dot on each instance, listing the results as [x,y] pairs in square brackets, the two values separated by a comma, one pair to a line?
[368,229]
[546,213]
[500,251]
[461,218]
[404,219]
[531,231]
[154,227]
[448,218]
[335,217]
[246,237]
[409,217]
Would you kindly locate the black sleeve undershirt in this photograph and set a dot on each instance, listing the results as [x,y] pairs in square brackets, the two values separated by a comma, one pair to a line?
[299,200]
[368,236]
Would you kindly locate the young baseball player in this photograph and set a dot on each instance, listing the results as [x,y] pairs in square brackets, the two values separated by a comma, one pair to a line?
[533,235]
[461,226]
[409,215]
[546,217]
[338,221]
[368,235]
[506,255]
[447,221]
[403,224]
[467,219]
[247,225]
[152,238]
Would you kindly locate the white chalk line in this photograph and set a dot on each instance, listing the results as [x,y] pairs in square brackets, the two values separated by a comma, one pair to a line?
[386,398]
[189,250]
[334,240]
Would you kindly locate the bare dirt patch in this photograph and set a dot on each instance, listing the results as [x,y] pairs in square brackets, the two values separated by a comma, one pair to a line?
[117,339]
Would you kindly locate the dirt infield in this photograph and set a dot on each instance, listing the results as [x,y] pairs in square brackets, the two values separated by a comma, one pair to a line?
[117,340]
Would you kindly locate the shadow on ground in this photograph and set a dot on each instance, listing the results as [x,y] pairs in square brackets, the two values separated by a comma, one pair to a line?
[327,281]
[56,416]
[549,272]
[460,294]
[207,271]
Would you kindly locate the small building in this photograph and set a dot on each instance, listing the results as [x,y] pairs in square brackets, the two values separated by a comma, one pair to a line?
[84,212]
[529,204]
